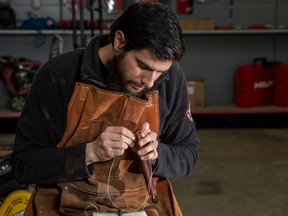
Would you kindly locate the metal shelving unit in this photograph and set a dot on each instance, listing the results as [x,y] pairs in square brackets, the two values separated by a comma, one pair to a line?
[230,109]
[207,110]
[21,32]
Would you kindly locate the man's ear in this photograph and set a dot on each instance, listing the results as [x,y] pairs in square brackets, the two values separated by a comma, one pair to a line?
[119,40]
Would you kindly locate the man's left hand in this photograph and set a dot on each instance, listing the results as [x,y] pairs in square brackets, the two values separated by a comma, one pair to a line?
[147,144]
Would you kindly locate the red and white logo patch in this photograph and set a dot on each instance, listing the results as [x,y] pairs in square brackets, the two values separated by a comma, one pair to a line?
[189,114]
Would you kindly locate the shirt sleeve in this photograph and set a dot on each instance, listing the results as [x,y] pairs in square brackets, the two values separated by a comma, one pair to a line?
[178,142]
[35,157]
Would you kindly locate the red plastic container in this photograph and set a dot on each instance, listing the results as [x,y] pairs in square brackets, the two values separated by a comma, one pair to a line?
[183,7]
[255,83]
[281,85]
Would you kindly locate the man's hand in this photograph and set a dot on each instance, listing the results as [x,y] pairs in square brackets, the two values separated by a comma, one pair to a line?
[112,142]
[147,144]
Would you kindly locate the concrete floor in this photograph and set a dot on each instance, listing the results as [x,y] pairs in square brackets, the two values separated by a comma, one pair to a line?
[241,172]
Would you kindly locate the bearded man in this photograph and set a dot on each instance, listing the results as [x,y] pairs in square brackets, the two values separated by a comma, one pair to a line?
[105,126]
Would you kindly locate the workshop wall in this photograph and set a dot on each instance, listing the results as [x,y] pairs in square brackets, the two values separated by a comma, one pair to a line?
[212,57]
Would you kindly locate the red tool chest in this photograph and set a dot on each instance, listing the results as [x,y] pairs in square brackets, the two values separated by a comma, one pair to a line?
[255,83]
[281,85]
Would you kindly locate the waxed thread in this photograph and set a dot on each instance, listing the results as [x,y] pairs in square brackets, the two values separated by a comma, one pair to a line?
[91,205]
[141,207]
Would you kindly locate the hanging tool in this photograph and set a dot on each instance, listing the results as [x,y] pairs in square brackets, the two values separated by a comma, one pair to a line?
[98,9]
[36,4]
[231,11]
[75,7]
[56,47]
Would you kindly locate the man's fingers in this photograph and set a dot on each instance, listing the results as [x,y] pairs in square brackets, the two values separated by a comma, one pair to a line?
[149,137]
[121,134]
[116,141]
[122,131]
[145,129]
[113,141]
[148,152]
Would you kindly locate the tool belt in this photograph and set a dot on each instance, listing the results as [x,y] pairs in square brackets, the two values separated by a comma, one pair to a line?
[117,183]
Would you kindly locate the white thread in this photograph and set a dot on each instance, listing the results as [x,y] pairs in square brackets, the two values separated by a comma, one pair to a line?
[108,189]
[91,204]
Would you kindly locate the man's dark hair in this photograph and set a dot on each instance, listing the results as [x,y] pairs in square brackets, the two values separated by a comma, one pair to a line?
[153,26]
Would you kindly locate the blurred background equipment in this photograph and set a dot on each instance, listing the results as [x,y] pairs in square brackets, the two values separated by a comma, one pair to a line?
[7,16]
[56,47]
[18,75]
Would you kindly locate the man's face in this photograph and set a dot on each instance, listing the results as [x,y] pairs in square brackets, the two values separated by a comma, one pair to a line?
[138,70]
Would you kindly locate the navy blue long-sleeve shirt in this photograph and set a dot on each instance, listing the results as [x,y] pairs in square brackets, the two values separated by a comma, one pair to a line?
[36,159]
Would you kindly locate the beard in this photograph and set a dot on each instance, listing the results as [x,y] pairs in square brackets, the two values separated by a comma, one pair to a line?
[117,80]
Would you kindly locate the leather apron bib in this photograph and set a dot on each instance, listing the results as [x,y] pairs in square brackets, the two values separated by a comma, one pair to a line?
[117,183]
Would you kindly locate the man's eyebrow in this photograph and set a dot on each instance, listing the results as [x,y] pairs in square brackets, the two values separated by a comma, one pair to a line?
[145,66]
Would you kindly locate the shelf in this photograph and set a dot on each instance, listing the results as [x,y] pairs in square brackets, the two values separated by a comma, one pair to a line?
[232,109]
[185,32]
[21,32]
[8,114]
[237,31]
[207,110]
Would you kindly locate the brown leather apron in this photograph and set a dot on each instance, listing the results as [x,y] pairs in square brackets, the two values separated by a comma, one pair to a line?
[117,183]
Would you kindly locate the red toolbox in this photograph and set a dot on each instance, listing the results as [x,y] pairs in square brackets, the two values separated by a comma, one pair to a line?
[255,83]
[281,85]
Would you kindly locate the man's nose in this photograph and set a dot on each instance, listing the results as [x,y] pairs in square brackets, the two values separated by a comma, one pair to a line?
[149,78]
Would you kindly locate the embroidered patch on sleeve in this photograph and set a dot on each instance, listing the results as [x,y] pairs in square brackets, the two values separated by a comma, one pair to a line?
[189,114]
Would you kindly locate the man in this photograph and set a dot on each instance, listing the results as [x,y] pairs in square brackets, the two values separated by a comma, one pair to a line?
[96,117]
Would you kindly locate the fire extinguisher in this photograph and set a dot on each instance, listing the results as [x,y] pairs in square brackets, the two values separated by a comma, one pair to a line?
[184,6]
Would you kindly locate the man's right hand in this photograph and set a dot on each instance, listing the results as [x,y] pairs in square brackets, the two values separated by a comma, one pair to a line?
[113,141]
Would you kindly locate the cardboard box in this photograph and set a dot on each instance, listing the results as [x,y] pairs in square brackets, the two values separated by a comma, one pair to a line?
[197,24]
[196,92]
